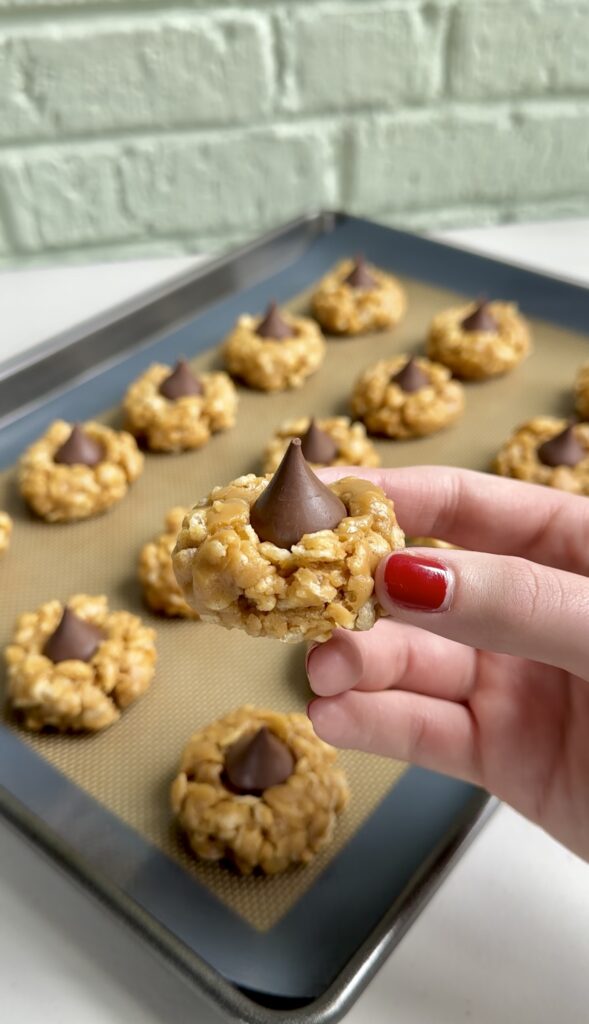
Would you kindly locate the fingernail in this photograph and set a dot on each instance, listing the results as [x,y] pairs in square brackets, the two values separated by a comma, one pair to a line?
[414,581]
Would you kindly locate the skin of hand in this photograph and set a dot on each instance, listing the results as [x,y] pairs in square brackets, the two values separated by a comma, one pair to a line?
[480,669]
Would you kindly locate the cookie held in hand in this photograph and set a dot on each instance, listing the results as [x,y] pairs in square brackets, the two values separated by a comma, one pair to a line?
[287,556]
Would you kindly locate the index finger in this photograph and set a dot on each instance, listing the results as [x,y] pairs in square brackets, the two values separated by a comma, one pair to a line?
[485,513]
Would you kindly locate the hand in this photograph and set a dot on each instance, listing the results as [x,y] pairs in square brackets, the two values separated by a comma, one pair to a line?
[480,671]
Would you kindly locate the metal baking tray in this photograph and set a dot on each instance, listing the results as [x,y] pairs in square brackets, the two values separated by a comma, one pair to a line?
[314,962]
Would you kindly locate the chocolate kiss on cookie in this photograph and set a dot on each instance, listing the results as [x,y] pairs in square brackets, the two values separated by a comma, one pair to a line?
[317,446]
[79,450]
[295,502]
[255,762]
[360,276]
[481,319]
[411,377]
[563,450]
[73,640]
[180,383]
[274,326]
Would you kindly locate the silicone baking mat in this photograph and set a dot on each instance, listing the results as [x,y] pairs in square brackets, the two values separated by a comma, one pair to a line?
[203,671]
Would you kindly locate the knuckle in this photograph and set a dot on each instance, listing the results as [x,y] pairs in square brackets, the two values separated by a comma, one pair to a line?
[533,590]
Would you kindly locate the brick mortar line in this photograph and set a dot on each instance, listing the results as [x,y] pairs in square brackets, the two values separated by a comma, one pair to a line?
[335,121]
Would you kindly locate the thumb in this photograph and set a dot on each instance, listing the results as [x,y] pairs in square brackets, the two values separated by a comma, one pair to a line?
[492,602]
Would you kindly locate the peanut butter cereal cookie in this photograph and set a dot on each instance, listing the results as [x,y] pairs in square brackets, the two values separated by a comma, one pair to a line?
[548,451]
[406,397]
[274,352]
[5,531]
[582,392]
[479,340]
[174,410]
[287,556]
[355,298]
[260,790]
[74,668]
[76,472]
[327,442]
[156,575]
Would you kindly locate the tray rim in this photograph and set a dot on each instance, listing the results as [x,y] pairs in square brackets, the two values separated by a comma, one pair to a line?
[336,1000]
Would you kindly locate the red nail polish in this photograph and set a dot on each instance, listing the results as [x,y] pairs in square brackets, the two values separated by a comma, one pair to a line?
[417,582]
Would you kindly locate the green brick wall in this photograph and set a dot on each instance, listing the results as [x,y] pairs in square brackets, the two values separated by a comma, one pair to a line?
[143,127]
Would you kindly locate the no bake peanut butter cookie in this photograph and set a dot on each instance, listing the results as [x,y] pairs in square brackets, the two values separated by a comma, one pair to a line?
[5,531]
[335,441]
[405,397]
[156,574]
[287,557]
[74,472]
[174,410]
[549,451]
[260,790]
[479,340]
[355,298]
[75,667]
[274,352]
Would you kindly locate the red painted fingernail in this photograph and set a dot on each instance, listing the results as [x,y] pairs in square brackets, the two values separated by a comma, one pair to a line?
[417,582]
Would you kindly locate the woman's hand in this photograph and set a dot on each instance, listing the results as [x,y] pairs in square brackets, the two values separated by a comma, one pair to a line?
[481,669]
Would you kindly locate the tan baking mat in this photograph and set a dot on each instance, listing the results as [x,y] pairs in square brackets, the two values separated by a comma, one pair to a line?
[204,671]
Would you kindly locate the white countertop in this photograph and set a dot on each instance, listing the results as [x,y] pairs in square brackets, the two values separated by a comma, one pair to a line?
[505,940]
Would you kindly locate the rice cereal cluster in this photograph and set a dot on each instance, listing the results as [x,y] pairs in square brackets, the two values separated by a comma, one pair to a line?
[156,575]
[63,493]
[518,457]
[287,825]
[354,447]
[478,354]
[325,581]
[269,364]
[387,409]
[76,695]
[184,423]
[5,531]
[341,308]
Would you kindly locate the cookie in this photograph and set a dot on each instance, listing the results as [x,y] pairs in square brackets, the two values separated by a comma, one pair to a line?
[406,397]
[174,410]
[5,531]
[355,298]
[274,352]
[156,575]
[287,556]
[334,441]
[549,451]
[74,472]
[74,668]
[260,790]
[582,392]
[479,340]
[427,542]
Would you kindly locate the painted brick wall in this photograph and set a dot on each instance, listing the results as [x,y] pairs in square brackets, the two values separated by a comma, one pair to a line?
[136,126]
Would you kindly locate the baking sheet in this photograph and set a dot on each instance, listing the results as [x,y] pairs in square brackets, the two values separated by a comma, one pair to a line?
[423,821]
[203,671]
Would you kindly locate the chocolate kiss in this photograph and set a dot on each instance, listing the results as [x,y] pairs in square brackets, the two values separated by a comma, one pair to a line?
[79,449]
[317,446]
[273,325]
[563,450]
[181,382]
[295,502]
[481,319]
[73,640]
[411,377]
[360,277]
[255,762]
